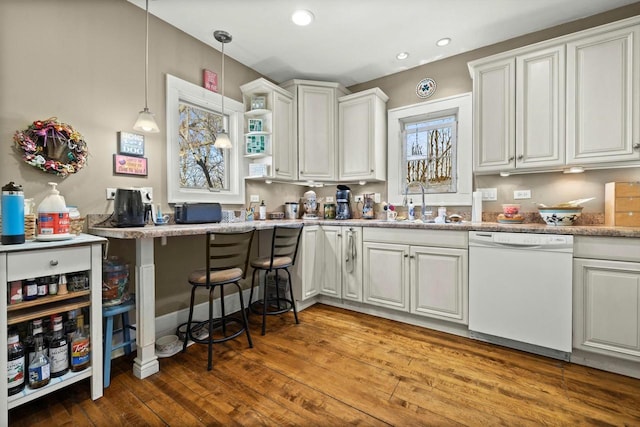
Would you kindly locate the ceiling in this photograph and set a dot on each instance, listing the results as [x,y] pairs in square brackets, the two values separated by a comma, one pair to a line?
[354,41]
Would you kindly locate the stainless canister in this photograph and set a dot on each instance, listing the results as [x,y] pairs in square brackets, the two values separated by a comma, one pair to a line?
[291,210]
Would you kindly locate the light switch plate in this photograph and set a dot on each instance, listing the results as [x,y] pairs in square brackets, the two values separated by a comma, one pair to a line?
[489,194]
[329,199]
[522,194]
[254,198]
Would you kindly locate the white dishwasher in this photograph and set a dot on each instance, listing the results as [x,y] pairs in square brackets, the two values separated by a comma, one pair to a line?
[520,291]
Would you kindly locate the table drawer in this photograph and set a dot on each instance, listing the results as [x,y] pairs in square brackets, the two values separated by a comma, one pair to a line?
[27,264]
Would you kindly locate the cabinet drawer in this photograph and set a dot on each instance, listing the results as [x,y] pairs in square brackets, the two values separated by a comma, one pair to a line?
[628,204]
[627,189]
[628,219]
[24,265]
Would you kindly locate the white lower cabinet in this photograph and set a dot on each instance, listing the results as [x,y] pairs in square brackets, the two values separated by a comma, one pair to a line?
[439,283]
[309,267]
[342,265]
[607,307]
[606,296]
[430,281]
[385,275]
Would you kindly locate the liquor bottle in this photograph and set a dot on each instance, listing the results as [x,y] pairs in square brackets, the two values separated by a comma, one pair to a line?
[80,347]
[15,362]
[36,330]
[39,368]
[58,350]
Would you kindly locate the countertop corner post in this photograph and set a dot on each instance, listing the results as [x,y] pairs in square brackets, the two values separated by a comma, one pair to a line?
[4,411]
[146,361]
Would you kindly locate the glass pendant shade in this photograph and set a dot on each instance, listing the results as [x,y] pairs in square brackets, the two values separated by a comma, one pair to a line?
[146,122]
[222,141]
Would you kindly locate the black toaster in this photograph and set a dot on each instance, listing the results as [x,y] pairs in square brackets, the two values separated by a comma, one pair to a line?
[198,213]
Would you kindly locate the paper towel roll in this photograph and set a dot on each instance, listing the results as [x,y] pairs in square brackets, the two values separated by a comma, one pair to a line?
[476,207]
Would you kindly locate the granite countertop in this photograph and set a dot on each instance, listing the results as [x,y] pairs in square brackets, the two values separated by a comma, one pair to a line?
[169,230]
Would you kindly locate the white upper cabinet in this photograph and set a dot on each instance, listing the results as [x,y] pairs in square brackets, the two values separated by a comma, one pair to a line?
[603,97]
[362,132]
[270,144]
[494,115]
[316,106]
[540,110]
[573,100]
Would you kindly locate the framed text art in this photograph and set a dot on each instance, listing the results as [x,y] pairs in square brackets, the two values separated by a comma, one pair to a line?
[131,144]
[129,165]
[210,80]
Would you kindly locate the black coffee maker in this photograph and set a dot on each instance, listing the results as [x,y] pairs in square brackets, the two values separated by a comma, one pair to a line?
[343,201]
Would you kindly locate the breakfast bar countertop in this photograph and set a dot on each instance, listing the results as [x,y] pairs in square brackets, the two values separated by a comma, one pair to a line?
[169,230]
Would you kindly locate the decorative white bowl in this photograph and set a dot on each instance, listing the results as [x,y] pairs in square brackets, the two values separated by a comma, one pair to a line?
[167,344]
[560,216]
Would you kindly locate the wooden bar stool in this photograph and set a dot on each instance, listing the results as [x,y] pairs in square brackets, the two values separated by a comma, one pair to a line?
[227,257]
[284,250]
[108,314]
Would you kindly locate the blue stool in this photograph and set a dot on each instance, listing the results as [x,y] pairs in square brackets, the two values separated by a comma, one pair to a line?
[108,313]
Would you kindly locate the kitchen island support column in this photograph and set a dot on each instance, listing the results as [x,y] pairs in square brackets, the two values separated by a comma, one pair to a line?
[146,361]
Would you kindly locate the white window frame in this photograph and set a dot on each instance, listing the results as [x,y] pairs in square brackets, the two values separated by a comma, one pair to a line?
[461,106]
[182,91]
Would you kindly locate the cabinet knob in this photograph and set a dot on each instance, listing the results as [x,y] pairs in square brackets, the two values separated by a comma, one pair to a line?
[277,169]
[636,146]
[53,262]
[511,158]
[406,255]
[301,172]
[520,157]
[371,171]
[412,257]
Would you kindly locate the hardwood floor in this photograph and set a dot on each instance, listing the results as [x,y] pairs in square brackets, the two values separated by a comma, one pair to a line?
[339,367]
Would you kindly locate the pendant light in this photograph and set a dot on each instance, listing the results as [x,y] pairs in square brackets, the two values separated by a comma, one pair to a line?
[146,121]
[222,138]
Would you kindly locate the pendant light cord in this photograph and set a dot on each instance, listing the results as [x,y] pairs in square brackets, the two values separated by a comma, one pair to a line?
[146,62]
[222,84]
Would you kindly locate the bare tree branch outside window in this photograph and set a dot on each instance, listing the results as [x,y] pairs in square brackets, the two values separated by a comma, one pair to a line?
[202,166]
[431,154]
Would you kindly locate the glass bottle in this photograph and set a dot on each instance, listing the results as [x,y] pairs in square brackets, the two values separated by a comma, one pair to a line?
[80,347]
[15,362]
[58,350]
[29,289]
[43,286]
[39,368]
[36,330]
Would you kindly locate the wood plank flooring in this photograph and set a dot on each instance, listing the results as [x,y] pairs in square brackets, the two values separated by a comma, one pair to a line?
[339,367]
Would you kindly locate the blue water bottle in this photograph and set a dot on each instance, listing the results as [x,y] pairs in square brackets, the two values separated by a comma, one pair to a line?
[12,214]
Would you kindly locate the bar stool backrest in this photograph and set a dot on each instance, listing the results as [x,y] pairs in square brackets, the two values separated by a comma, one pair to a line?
[229,250]
[286,240]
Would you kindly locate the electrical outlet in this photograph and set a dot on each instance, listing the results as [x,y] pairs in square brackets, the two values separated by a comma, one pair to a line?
[359,198]
[254,198]
[111,193]
[329,199]
[376,197]
[489,194]
[522,194]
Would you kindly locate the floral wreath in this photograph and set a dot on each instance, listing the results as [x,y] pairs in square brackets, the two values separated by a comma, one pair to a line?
[53,147]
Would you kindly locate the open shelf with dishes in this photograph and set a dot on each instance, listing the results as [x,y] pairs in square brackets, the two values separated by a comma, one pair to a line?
[268,127]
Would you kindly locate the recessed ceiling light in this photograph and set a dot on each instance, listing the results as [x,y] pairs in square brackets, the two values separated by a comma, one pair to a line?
[443,42]
[302,17]
[402,55]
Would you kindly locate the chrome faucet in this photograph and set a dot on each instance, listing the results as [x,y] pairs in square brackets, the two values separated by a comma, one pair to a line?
[424,204]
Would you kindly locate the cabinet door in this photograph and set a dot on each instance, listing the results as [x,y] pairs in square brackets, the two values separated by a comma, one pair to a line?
[439,283]
[603,97]
[540,95]
[352,263]
[331,277]
[606,307]
[385,279]
[316,132]
[285,147]
[310,264]
[362,134]
[494,116]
